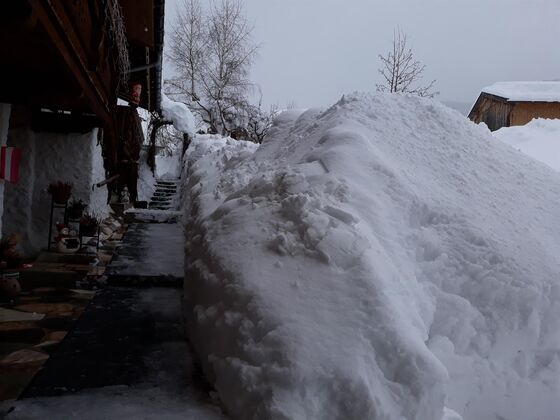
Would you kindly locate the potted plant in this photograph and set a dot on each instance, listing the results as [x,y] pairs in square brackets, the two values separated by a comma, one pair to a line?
[76,209]
[89,224]
[10,264]
[60,191]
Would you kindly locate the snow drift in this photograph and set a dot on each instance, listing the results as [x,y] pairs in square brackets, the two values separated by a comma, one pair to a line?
[382,259]
[539,139]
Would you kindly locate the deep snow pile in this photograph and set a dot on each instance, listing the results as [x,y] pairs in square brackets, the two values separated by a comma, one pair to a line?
[382,259]
[146,180]
[178,113]
[539,139]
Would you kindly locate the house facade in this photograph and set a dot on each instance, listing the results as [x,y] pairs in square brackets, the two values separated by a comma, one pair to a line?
[63,65]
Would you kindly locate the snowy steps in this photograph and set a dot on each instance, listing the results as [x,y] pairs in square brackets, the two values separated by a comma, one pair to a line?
[164,195]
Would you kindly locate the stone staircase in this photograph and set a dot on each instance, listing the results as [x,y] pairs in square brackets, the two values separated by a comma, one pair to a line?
[164,197]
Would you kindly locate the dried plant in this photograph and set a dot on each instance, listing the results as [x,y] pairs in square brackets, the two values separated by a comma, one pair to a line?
[88,224]
[61,191]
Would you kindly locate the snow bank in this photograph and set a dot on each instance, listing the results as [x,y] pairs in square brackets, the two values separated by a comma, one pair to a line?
[383,259]
[146,180]
[179,114]
[167,167]
[539,139]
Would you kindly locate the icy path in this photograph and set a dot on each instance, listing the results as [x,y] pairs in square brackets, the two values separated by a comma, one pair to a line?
[150,251]
[127,358]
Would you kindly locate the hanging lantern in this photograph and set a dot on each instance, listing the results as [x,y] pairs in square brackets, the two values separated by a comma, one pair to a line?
[10,158]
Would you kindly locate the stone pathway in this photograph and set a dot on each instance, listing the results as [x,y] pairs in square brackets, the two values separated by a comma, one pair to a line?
[30,331]
[55,291]
[126,359]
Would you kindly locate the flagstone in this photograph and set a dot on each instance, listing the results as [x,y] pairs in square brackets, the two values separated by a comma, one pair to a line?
[23,356]
[8,315]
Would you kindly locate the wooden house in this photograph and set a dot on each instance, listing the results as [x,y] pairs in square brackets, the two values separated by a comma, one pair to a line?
[508,104]
[63,66]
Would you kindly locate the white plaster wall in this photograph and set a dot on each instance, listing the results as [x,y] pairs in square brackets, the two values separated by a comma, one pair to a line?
[18,197]
[98,196]
[4,124]
[48,157]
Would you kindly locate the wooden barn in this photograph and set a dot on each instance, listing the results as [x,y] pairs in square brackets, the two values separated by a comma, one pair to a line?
[506,104]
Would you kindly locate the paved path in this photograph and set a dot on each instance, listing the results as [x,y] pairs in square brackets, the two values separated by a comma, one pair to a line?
[127,357]
[152,252]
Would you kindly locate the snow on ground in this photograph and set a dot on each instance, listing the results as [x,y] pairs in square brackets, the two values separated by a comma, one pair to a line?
[116,403]
[539,139]
[146,180]
[155,216]
[382,259]
[167,167]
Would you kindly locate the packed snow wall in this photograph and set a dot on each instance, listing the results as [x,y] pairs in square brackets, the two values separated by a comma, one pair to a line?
[4,123]
[48,157]
[384,258]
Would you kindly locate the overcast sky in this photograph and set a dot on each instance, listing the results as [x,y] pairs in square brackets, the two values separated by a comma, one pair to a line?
[313,51]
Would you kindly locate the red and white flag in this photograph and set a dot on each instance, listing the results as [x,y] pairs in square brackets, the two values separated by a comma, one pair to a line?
[9,163]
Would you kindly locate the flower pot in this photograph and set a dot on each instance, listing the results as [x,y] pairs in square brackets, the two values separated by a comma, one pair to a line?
[9,283]
[68,245]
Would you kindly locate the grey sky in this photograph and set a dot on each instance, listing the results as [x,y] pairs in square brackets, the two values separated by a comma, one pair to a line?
[313,51]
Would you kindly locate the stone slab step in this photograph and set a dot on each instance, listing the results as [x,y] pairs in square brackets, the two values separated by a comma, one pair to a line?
[55,277]
[165,190]
[166,184]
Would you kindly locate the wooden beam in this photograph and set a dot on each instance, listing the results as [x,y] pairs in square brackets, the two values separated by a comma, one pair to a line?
[60,122]
[62,35]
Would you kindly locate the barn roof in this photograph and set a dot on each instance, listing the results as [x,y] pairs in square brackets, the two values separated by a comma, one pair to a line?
[525,91]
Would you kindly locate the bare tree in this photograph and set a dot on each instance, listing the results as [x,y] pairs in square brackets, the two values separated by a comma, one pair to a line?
[188,42]
[212,53]
[401,72]
[291,104]
[260,121]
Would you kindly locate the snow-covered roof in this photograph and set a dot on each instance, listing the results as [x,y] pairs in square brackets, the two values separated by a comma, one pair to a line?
[525,91]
